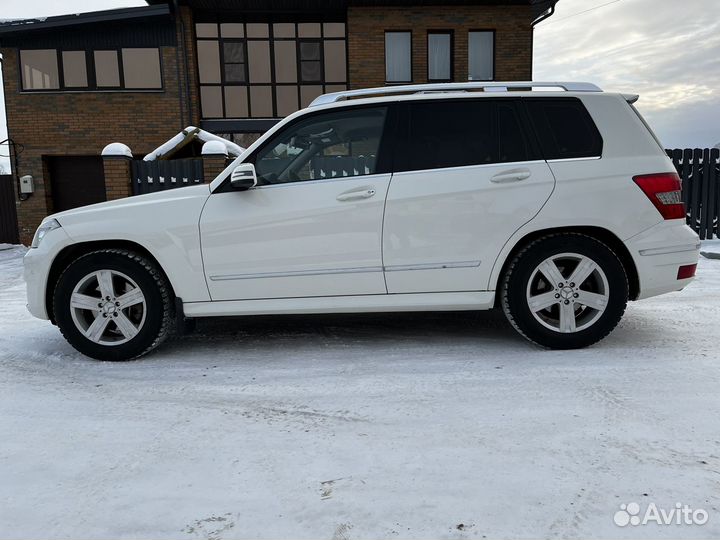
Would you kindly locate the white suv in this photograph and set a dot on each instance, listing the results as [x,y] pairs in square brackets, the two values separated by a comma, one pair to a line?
[557,206]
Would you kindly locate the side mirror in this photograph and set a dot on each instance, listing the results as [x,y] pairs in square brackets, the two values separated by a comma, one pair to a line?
[243,177]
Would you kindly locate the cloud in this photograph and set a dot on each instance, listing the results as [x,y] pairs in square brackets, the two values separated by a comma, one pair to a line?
[667,51]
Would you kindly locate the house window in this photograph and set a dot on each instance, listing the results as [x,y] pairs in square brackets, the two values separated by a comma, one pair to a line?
[398,57]
[141,68]
[440,61]
[261,70]
[73,70]
[310,65]
[107,69]
[481,56]
[39,69]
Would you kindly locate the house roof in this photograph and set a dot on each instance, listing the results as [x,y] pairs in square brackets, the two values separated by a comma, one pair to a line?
[264,6]
[18,26]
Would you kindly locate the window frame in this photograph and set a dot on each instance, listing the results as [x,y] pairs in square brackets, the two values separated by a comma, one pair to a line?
[385,56]
[91,72]
[492,31]
[273,84]
[451,33]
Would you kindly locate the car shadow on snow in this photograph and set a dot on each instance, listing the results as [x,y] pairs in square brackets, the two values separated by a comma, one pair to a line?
[286,333]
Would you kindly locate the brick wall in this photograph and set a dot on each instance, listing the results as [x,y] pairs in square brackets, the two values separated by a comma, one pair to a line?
[366,39]
[117,177]
[82,123]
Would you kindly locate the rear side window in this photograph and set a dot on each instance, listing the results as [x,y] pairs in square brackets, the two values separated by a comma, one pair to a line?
[565,129]
[461,132]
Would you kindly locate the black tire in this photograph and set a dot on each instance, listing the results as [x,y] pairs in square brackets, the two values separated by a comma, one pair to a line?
[522,268]
[156,325]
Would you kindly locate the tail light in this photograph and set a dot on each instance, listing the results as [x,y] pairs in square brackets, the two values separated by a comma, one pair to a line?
[664,191]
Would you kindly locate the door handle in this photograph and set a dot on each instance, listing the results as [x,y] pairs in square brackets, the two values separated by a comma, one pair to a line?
[354,195]
[515,175]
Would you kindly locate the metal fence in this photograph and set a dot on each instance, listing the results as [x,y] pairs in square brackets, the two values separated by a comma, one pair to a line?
[159,175]
[699,170]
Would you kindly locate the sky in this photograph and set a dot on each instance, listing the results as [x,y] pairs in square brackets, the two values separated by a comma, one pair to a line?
[665,50]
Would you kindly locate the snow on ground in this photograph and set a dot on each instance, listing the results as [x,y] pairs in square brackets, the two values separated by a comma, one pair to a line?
[403,426]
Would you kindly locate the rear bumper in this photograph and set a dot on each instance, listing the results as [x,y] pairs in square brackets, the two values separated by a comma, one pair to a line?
[658,254]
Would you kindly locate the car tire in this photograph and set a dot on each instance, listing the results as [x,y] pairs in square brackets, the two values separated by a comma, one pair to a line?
[113,305]
[564,291]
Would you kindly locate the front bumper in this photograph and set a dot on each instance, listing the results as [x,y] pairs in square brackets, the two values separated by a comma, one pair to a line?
[658,254]
[37,263]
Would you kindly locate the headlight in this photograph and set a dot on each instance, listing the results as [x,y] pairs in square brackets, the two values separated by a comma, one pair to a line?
[43,229]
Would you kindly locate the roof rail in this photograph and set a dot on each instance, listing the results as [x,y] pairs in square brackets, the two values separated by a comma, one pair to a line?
[451,87]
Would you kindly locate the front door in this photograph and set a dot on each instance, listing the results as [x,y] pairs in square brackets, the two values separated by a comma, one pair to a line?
[76,181]
[466,177]
[313,225]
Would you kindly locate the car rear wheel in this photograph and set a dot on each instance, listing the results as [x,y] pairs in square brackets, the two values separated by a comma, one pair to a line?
[565,291]
[113,305]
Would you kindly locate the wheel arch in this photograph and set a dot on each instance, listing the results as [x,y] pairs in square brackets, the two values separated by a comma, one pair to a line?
[74,251]
[599,233]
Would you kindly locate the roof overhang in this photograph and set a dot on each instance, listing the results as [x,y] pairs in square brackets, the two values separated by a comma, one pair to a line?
[21,26]
[540,6]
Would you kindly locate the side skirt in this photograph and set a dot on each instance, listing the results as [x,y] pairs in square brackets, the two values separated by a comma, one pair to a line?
[453,301]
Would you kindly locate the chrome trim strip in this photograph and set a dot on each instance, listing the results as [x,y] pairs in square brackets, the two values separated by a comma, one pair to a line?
[593,158]
[298,273]
[359,270]
[432,266]
[669,249]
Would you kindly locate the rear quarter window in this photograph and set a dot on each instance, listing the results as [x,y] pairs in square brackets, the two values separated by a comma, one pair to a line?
[565,129]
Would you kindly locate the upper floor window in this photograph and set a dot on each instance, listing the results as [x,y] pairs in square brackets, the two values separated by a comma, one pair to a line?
[481,56]
[264,70]
[39,69]
[440,61]
[398,57]
[114,69]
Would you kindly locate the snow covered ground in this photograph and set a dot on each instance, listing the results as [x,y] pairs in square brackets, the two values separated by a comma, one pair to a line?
[344,427]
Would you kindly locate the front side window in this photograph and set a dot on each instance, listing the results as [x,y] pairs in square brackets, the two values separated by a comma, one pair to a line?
[472,132]
[398,57]
[481,56]
[329,145]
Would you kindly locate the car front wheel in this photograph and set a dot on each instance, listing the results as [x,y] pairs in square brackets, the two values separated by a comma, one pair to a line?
[565,291]
[113,305]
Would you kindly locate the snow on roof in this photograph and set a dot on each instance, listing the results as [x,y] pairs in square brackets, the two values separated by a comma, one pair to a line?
[186,136]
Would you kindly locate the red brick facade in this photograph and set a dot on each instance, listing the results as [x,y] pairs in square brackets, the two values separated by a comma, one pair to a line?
[366,39]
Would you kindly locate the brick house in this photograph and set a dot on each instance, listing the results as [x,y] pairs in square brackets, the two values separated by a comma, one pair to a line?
[75,83]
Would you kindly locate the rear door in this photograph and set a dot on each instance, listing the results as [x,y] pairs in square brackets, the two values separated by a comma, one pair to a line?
[467,175]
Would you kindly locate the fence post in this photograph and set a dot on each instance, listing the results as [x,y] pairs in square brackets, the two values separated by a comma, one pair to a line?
[214,155]
[118,178]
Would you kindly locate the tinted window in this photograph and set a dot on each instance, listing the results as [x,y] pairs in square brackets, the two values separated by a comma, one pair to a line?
[39,69]
[342,143]
[440,134]
[565,128]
